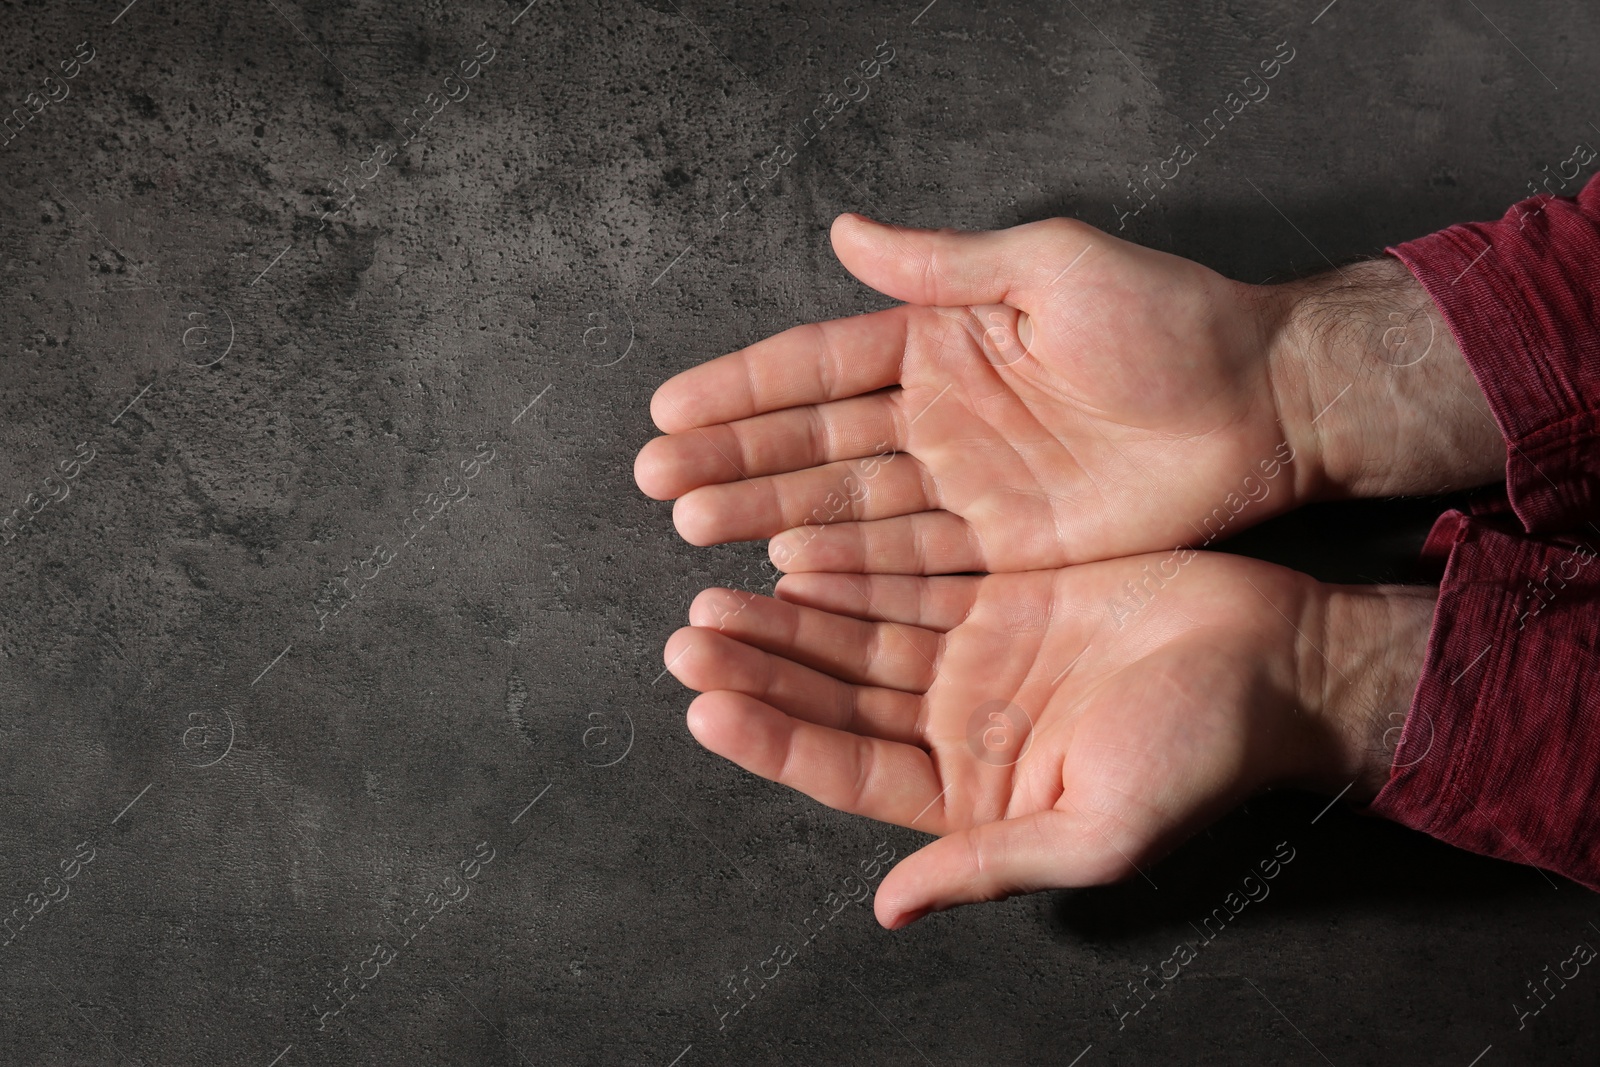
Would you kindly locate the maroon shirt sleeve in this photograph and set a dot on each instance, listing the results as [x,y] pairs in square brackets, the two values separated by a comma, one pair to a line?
[1522,297]
[1500,753]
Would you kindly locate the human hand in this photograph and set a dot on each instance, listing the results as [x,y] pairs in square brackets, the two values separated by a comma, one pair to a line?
[1053,395]
[1062,396]
[1117,735]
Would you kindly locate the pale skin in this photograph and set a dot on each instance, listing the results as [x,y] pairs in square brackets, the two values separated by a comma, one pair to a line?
[1054,397]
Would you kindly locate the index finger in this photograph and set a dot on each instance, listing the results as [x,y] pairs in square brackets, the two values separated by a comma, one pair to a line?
[808,364]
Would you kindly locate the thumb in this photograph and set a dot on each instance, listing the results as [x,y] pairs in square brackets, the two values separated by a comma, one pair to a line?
[952,268]
[1045,850]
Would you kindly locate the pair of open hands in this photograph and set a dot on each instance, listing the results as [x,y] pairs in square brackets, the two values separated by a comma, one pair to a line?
[984,629]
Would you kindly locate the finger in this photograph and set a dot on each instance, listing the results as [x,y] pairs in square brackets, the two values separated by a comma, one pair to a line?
[952,268]
[707,660]
[805,365]
[862,775]
[937,604]
[852,490]
[992,861]
[775,443]
[928,542]
[886,654]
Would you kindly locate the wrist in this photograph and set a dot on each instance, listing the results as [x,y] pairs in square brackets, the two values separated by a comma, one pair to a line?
[1358,681]
[1372,389]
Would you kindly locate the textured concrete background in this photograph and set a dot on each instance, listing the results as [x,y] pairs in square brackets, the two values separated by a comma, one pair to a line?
[251,814]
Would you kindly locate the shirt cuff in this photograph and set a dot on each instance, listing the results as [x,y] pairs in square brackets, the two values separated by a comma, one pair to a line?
[1522,297]
[1500,753]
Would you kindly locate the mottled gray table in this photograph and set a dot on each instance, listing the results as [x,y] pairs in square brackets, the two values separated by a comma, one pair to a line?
[332,721]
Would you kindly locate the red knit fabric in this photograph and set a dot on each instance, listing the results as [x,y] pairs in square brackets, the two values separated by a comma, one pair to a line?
[1501,750]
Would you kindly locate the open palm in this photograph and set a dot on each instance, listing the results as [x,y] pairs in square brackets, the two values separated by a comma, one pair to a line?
[1052,395]
[1047,745]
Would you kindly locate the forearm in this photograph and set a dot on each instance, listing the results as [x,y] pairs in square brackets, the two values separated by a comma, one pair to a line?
[1373,389]
[1361,678]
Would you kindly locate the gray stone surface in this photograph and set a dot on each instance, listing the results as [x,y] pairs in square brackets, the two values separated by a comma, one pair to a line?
[249,790]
